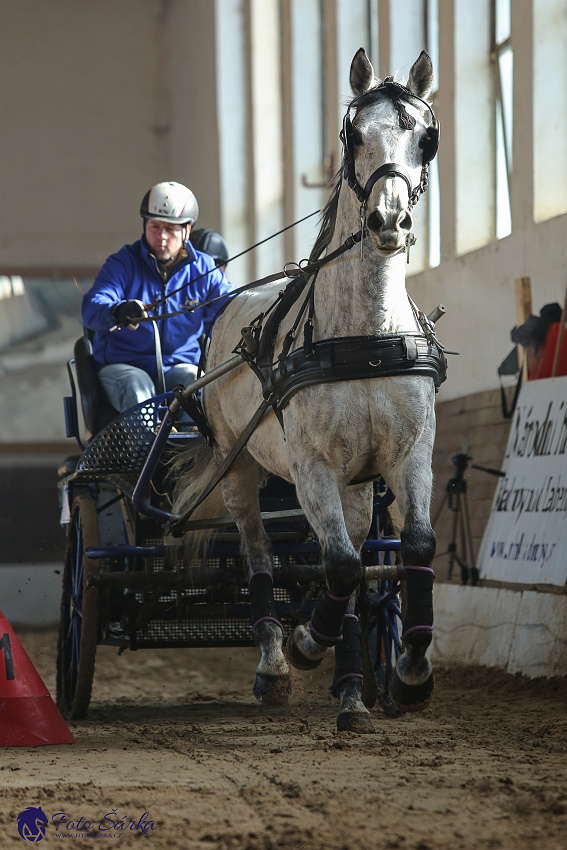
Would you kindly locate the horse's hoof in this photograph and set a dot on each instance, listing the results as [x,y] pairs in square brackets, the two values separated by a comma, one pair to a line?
[296,657]
[272,690]
[411,697]
[354,721]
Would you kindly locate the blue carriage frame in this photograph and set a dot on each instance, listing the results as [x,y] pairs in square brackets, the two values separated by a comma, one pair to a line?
[117,467]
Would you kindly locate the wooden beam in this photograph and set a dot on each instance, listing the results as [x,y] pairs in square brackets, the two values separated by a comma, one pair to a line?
[523,311]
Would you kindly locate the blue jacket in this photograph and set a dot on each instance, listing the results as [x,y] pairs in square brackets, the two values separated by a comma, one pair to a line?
[132,273]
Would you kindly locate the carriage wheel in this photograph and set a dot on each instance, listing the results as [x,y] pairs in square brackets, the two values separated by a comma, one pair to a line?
[78,625]
[381,643]
[381,647]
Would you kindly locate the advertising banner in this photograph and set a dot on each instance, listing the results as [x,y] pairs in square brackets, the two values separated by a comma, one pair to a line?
[526,537]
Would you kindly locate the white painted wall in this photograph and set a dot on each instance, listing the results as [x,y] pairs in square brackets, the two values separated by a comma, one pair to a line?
[98,101]
[518,632]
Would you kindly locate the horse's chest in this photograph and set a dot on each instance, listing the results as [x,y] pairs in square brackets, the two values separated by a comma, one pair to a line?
[358,425]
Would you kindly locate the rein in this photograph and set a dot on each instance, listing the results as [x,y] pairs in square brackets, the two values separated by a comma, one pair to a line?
[308,269]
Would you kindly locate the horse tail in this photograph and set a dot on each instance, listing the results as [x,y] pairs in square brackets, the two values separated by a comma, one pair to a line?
[192,470]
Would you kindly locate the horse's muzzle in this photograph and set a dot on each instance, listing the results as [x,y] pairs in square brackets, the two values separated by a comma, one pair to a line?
[390,229]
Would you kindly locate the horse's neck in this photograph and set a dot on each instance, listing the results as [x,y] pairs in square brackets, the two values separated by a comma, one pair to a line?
[355,297]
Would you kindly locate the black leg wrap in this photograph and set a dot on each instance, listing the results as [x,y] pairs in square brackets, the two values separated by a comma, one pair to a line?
[418,623]
[262,603]
[326,624]
[348,653]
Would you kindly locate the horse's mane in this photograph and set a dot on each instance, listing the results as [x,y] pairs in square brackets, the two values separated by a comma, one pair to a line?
[328,220]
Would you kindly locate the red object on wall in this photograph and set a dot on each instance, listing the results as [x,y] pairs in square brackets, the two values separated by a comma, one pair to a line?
[28,715]
[543,363]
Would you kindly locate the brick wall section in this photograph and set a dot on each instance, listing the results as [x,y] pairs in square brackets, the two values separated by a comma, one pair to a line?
[473,425]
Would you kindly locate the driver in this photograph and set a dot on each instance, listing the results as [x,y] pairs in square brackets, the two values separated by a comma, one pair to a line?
[131,281]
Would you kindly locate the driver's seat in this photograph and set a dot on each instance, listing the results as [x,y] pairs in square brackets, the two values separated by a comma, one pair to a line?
[97,409]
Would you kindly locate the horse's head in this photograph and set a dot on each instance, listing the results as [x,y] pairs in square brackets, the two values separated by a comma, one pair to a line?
[388,144]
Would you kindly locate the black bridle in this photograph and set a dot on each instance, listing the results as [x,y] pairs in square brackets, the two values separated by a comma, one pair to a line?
[429,144]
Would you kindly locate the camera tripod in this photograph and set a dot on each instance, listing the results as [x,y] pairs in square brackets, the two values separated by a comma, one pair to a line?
[456,501]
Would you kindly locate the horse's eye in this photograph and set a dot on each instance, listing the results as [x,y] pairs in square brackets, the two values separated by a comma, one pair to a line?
[356,137]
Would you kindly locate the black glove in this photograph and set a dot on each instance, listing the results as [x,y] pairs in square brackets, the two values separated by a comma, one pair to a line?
[128,313]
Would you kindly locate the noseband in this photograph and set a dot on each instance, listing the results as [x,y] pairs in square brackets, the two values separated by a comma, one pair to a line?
[397,94]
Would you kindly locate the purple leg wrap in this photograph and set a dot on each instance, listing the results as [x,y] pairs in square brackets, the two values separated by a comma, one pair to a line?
[326,624]
[348,653]
[262,604]
[419,618]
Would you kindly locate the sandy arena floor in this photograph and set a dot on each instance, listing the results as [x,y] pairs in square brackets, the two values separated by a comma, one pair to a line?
[177,734]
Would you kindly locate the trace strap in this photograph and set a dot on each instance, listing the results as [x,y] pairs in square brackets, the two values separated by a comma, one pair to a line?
[176,522]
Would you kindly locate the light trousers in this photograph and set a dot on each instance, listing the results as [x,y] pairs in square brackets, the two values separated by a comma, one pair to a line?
[127,385]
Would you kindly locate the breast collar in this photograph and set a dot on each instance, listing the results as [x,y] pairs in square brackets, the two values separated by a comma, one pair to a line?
[349,358]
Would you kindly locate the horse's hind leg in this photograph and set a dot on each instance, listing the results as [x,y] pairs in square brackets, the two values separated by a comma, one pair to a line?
[412,682]
[240,492]
[348,679]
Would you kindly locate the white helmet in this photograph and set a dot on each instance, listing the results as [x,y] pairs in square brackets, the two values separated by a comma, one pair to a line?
[171,202]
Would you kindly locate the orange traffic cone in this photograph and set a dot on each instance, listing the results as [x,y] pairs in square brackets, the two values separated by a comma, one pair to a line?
[28,715]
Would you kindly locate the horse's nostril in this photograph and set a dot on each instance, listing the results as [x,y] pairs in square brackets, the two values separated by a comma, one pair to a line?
[405,221]
[375,221]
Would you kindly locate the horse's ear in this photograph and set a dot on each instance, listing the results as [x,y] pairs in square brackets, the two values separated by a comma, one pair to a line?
[361,73]
[420,80]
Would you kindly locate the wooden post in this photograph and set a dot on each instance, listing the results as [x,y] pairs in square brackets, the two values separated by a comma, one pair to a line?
[523,311]
[560,335]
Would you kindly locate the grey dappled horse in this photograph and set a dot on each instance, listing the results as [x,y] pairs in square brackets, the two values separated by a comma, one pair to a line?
[337,433]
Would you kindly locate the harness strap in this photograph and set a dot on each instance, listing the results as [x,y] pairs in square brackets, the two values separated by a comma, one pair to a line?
[193,407]
[267,338]
[175,526]
[354,358]
[349,243]
[290,336]
[389,169]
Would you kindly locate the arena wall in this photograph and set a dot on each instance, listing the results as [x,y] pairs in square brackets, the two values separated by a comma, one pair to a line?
[519,628]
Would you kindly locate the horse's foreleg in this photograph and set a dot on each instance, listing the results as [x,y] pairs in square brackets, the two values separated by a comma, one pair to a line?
[349,662]
[240,491]
[318,494]
[412,682]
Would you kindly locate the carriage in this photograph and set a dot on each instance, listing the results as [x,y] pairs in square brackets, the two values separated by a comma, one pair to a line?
[124,585]
[158,554]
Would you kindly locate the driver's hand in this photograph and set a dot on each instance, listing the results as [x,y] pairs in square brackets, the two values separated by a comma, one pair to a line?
[129,313]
